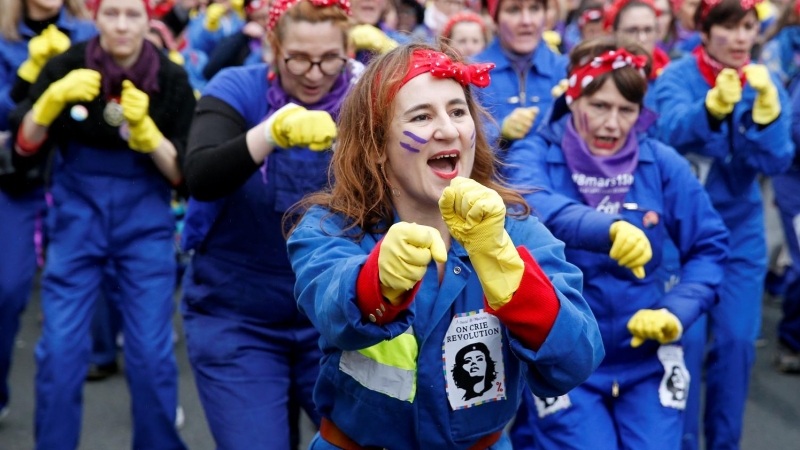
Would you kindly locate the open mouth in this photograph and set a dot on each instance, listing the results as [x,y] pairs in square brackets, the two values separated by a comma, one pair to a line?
[604,142]
[738,54]
[445,164]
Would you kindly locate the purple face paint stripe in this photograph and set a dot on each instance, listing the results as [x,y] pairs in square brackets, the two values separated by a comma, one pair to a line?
[415,137]
[408,147]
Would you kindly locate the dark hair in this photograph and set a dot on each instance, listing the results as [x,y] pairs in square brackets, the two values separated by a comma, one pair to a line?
[628,80]
[726,12]
[629,6]
[463,379]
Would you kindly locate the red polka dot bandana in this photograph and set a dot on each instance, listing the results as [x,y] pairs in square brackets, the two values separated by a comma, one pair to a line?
[708,5]
[440,66]
[281,6]
[580,77]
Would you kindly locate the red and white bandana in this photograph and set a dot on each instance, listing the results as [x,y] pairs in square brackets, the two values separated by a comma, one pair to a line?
[611,60]
[589,16]
[440,66]
[281,6]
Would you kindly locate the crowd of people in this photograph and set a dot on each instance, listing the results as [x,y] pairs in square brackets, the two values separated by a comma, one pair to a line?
[527,224]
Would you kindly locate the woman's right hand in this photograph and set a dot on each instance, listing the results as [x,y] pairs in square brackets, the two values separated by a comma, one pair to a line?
[41,48]
[727,92]
[517,124]
[80,85]
[405,253]
[295,126]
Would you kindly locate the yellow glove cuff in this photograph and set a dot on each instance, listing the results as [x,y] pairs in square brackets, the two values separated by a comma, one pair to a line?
[145,136]
[500,272]
[29,71]
[715,107]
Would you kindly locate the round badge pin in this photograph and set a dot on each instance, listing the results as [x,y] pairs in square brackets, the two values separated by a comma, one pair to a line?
[79,113]
[650,219]
[112,114]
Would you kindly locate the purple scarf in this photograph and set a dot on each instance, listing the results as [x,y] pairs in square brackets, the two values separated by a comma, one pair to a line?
[143,73]
[602,180]
[277,98]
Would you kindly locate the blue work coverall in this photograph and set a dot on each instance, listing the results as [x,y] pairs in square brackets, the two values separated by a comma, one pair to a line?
[250,347]
[620,405]
[727,156]
[369,406]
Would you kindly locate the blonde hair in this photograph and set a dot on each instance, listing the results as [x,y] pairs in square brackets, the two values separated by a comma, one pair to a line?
[13,15]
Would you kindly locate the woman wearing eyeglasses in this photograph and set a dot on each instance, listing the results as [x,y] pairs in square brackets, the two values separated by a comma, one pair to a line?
[257,145]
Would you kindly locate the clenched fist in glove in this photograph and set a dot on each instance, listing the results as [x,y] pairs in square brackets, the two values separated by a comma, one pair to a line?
[80,85]
[517,124]
[214,14]
[475,216]
[727,92]
[144,134]
[657,324]
[368,37]
[630,247]
[295,126]
[767,106]
[41,48]
[405,253]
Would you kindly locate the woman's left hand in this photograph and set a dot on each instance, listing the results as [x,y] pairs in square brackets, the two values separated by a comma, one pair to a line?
[475,216]
[767,106]
[145,136]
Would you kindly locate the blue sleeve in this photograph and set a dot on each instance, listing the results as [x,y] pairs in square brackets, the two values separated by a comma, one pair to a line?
[796,114]
[770,150]
[8,76]
[236,87]
[574,347]
[571,221]
[327,268]
[699,234]
[683,121]
[771,57]
[201,39]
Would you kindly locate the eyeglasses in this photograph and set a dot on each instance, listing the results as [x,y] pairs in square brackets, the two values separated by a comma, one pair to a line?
[300,65]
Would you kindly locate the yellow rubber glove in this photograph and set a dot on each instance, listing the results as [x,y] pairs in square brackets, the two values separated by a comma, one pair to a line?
[559,89]
[630,247]
[517,124]
[368,37]
[767,106]
[238,7]
[145,136]
[214,14]
[406,251]
[80,85]
[176,57]
[553,40]
[41,48]
[295,126]
[657,324]
[721,99]
[475,216]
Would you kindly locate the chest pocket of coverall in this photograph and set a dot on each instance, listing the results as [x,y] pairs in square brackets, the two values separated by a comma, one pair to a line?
[295,173]
[651,221]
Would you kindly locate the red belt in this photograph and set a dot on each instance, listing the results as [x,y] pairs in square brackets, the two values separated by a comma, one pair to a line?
[331,433]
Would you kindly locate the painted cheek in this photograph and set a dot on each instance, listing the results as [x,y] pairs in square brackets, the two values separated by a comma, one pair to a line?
[720,41]
[506,32]
[418,140]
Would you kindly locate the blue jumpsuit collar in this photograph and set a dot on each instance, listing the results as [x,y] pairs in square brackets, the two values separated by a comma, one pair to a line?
[543,58]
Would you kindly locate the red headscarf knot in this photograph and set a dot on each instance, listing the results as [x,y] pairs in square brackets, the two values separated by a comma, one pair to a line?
[607,62]
[440,66]
[281,6]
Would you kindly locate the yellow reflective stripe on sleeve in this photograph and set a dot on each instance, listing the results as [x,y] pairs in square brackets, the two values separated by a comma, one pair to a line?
[389,367]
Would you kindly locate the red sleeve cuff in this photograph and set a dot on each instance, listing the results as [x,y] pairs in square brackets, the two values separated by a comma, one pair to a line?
[25,148]
[368,293]
[532,310]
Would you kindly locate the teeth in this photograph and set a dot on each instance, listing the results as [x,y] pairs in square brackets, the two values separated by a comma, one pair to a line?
[444,156]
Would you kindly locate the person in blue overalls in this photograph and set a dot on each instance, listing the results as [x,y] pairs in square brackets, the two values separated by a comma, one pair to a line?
[725,116]
[437,295]
[615,196]
[118,112]
[31,32]
[782,56]
[526,69]
[258,145]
